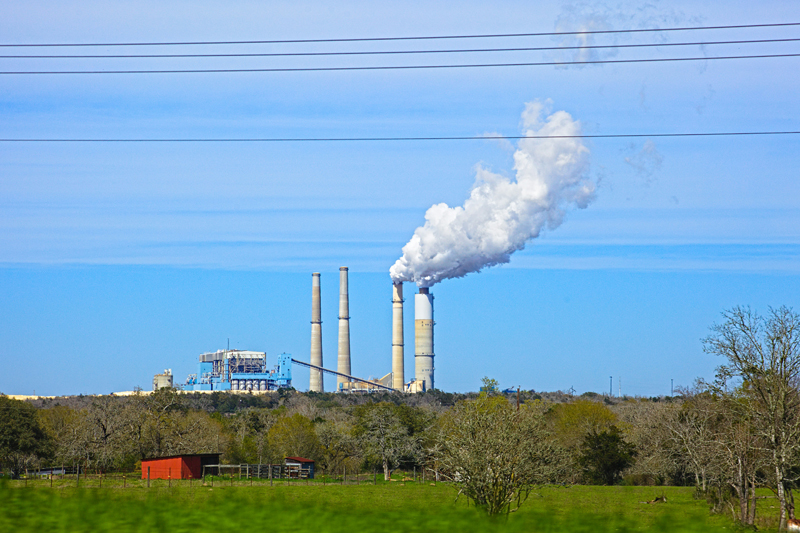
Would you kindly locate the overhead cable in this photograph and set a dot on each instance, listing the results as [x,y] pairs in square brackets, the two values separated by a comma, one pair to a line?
[400,67]
[402,52]
[359,139]
[417,38]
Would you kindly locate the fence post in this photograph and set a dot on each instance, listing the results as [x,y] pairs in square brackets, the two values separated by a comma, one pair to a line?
[169,477]
[148,477]
[374,476]
[270,474]
[124,481]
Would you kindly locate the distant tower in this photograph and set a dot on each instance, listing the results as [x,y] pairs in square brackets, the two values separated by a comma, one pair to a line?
[398,365]
[315,383]
[344,328]
[423,337]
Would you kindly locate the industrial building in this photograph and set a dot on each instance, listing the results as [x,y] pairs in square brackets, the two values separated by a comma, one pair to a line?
[239,370]
[163,381]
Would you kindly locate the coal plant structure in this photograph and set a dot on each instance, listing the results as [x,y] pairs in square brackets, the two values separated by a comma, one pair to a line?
[395,380]
[423,338]
[315,382]
[248,371]
[239,370]
[398,362]
[343,362]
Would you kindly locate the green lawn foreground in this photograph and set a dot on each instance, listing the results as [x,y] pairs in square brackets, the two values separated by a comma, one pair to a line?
[318,508]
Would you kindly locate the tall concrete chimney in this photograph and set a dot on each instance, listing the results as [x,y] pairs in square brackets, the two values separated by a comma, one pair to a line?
[423,337]
[315,382]
[398,365]
[344,328]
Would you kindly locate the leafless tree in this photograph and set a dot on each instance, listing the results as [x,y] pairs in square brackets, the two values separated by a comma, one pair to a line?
[764,352]
[497,454]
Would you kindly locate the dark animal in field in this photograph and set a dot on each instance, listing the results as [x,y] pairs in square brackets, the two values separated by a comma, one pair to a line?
[660,499]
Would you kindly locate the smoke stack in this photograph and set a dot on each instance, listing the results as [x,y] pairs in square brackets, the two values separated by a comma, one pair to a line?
[423,337]
[398,368]
[315,379]
[344,328]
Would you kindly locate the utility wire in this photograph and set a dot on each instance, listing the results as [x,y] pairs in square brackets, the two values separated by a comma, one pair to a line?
[417,38]
[398,52]
[400,67]
[449,138]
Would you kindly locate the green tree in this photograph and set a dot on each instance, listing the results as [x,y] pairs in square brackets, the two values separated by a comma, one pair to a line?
[294,436]
[605,455]
[66,428]
[248,435]
[385,437]
[573,421]
[338,444]
[489,385]
[22,438]
[496,454]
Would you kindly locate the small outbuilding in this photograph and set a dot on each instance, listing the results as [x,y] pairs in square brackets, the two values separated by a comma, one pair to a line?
[299,467]
[186,466]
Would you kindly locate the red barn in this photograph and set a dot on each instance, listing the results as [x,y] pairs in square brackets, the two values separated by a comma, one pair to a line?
[188,466]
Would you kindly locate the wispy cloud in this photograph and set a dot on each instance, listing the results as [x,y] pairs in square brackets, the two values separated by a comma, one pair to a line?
[599,16]
[646,162]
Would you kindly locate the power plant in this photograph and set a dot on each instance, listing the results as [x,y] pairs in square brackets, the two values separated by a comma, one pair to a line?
[239,370]
[247,371]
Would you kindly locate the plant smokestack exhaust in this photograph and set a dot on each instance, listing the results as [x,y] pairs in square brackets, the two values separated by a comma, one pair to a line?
[502,214]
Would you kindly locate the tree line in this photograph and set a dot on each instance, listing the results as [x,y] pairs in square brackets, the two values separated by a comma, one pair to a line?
[727,436]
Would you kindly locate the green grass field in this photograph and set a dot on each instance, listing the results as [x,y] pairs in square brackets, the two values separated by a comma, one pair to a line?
[320,508]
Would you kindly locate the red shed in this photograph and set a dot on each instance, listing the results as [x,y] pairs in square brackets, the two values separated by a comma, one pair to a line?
[188,466]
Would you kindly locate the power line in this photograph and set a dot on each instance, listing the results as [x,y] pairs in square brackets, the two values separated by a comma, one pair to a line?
[449,138]
[416,38]
[399,67]
[400,52]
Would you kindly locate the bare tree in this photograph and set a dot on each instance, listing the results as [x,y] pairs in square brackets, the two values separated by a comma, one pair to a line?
[691,429]
[495,453]
[658,460]
[741,450]
[765,353]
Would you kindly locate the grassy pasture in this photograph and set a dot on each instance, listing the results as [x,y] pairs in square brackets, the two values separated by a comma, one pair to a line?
[320,508]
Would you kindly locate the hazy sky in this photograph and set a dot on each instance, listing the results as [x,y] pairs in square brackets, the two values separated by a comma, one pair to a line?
[120,260]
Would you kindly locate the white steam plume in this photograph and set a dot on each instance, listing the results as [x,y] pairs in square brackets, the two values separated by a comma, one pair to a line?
[502,214]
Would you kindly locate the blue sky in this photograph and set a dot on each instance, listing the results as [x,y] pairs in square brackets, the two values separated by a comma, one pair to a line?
[119,260]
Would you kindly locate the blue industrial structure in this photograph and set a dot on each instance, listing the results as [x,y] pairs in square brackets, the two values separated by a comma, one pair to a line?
[241,370]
